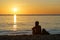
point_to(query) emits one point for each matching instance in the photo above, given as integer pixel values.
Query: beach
(29, 19)
(22, 30)
(30, 37)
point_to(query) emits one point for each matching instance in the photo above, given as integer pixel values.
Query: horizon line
(30, 14)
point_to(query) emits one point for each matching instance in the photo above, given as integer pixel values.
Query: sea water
(24, 24)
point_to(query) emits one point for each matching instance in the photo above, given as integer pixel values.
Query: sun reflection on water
(14, 19)
(14, 26)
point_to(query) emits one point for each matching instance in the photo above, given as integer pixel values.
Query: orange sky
(30, 6)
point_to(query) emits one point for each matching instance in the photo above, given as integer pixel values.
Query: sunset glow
(30, 6)
(14, 10)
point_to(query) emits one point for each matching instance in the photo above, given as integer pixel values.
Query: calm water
(24, 24)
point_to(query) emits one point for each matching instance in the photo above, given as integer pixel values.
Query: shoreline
(30, 37)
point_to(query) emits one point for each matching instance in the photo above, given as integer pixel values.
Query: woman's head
(36, 23)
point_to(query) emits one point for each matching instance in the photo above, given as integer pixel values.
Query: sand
(30, 37)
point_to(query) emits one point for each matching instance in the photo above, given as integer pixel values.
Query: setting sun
(14, 10)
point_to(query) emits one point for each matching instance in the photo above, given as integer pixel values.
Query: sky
(30, 6)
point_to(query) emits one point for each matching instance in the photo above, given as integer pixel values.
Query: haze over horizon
(30, 6)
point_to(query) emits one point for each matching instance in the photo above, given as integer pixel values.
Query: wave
(9, 32)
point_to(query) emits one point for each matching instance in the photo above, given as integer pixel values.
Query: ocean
(24, 24)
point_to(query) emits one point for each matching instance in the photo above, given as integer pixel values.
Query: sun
(14, 10)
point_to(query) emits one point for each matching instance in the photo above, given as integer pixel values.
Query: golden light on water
(14, 26)
(14, 19)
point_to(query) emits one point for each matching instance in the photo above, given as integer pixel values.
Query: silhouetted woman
(36, 30)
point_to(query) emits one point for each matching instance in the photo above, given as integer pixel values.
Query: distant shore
(30, 14)
(30, 37)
